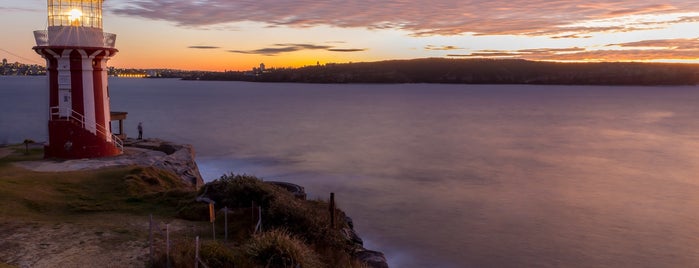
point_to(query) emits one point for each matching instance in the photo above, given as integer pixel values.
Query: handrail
(58, 112)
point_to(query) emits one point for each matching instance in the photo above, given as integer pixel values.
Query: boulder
(373, 259)
(178, 158)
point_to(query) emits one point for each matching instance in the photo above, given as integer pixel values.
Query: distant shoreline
(480, 71)
(449, 71)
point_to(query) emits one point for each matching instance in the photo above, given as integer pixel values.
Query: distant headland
(431, 70)
(473, 71)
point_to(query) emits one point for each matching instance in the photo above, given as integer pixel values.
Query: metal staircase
(64, 114)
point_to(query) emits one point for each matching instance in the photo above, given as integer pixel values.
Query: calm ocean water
(444, 175)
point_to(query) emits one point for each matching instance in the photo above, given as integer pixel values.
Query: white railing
(42, 39)
(61, 114)
(109, 40)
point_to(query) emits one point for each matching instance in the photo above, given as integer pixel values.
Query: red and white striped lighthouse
(76, 52)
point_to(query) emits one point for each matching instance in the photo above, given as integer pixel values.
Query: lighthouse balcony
(61, 36)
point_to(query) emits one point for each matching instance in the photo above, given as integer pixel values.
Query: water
(445, 175)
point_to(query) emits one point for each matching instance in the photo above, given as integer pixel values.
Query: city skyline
(219, 35)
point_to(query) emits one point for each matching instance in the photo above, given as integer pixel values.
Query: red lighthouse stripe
(52, 70)
(99, 97)
(76, 81)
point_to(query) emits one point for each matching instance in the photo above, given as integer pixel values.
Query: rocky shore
(177, 158)
(373, 259)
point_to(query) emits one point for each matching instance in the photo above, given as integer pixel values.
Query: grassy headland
(82, 218)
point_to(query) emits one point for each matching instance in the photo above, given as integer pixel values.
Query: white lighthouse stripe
(105, 95)
(88, 93)
(65, 106)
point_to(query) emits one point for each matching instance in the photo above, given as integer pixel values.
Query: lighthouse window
(82, 13)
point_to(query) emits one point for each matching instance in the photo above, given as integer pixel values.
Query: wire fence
(162, 231)
(161, 242)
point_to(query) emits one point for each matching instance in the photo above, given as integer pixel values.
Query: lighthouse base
(70, 141)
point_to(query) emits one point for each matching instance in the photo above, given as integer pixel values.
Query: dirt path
(68, 245)
(5, 152)
(102, 240)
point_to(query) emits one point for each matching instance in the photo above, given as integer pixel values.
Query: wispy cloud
(442, 48)
(21, 9)
(668, 49)
(675, 44)
(286, 48)
(347, 49)
(439, 17)
(204, 47)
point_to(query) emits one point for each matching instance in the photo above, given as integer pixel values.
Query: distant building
(262, 67)
(4, 62)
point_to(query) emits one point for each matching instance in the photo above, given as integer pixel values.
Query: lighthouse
(76, 50)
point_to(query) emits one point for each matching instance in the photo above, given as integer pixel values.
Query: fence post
(332, 210)
(196, 253)
(225, 223)
(167, 246)
(150, 239)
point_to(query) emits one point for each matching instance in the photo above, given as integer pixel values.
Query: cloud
(204, 47)
(439, 17)
(674, 44)
(277, 49)
(641, 10)
(21, 9)
(347, 49)
(650, 50)
(442, 48)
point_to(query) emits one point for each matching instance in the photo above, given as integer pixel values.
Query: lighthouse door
(64, 103)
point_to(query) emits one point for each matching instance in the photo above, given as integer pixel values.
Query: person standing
(140, 130)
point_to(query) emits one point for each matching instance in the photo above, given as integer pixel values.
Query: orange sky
(238, 35)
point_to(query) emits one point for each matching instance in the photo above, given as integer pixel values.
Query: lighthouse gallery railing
(42, 39)
(58, 114)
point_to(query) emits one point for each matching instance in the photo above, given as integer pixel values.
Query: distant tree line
(475, 71)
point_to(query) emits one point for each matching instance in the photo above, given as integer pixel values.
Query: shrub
(306, 219)
(237, 191)
(215, 255)
(278, 248)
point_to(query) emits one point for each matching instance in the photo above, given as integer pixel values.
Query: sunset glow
(224, 35)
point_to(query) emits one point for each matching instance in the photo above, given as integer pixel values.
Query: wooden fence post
(196, 253)
(167, 246)
(332, 210)
(225, 223)
(150, 239)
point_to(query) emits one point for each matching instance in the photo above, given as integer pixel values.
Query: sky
(220, 35)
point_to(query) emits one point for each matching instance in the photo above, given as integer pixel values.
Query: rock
(373, 259)
(298, 191)
(350, 222)
(178, 159)
(351, 235)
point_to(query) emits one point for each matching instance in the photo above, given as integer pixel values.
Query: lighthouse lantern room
(76, 51)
